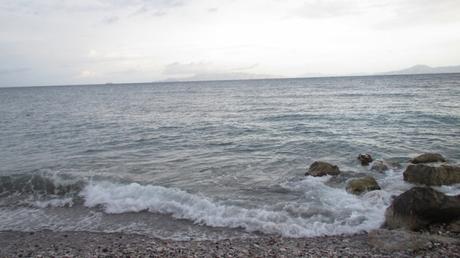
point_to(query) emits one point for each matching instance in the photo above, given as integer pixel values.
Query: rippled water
(215, 159)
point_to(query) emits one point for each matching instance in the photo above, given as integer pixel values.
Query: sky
(56, 42)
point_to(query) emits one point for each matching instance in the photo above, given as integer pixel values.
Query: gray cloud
(50, 6)
(412, 13)
(152, 7)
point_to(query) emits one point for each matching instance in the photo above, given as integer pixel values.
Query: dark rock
(421, 206)
(428, 157)
(360, 185)
(432, 175)
(365, 159)
(379, 166)
(321, 168)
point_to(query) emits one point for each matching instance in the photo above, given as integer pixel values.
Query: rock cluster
(354, 185)
(421, 207)
(417, 208)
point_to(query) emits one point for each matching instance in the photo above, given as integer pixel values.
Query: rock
(379, 166)
(365, 159)
(321, 168)
(421, 206)
(363, 184)
(428, 157)
(432, 175)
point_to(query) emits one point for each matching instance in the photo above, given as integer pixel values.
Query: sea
(217, 159)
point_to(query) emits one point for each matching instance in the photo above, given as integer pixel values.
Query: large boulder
(427, 158)
(421, 206)
(379, 166)
(361, 185)
(321, 168)
(432, 175)
(365, 159)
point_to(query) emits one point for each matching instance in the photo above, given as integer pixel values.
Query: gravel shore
(88, 244)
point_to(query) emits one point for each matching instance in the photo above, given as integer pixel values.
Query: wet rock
(428, 157)
(379, 166)
(361, 185)
(419, 207)
(321, 168)
(365, 159)
(432, 175)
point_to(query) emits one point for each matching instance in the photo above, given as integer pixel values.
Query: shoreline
(378, 243)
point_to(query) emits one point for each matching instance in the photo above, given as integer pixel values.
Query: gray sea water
(216, 159)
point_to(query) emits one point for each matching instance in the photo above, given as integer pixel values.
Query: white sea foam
(449, 189)
(336, 211)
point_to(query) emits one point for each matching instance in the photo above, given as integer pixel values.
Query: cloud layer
(96, 41)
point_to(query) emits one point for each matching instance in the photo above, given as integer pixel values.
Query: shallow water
(216, 159)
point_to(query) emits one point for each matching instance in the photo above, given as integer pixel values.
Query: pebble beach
(380, 243)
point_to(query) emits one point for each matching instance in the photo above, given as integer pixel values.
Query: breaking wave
(340, 212)
(318, 209)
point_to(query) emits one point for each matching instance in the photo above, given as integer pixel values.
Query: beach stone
(397, 240)
(321, 168)
(432, 175)
(421, 206)
(454, 226)
(379, 166)
(365, 159)
(428, 157)
(361, 185)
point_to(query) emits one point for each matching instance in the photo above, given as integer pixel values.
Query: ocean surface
(209, 160)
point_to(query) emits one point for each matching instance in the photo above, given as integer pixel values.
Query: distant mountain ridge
(425, 69)
(416, 69)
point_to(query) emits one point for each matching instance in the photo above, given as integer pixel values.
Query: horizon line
(222, 80)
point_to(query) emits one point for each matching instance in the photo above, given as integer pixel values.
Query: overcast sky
(46, 42)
